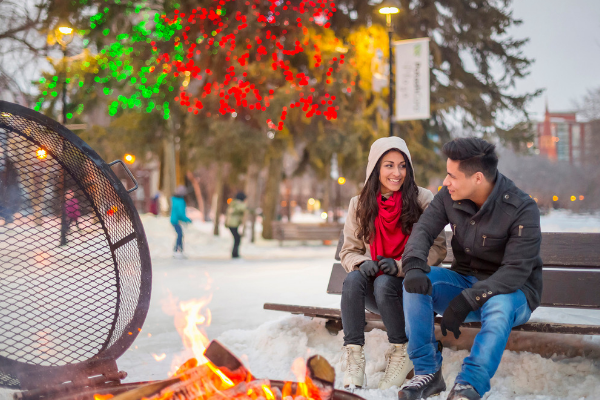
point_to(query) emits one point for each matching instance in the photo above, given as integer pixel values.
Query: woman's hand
(388, 265)
(368, 268)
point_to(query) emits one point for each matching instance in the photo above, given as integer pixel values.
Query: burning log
(225, 377)
(322, 376)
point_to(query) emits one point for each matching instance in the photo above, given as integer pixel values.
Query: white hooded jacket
(354, 251)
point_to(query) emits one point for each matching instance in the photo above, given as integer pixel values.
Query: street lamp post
(388, 8)
(63, 35)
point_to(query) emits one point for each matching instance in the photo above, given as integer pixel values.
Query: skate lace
(350, 363)
(418, 381)
(394, 364)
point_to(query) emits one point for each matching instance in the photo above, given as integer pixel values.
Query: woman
(178, 214)
(377, 227)
(233, 219)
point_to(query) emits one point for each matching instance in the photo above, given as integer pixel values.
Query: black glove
(368, 268)
(416, 281)
(388, 265)
(455, 314)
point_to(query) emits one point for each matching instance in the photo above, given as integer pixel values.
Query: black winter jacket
(499, 244)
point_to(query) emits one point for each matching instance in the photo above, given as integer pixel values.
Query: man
(495, 278)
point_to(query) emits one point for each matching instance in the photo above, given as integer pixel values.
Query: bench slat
(335, 314)
(560, 289)
(559, 249)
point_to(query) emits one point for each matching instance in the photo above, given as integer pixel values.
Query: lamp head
(388, 7)
(63, 34)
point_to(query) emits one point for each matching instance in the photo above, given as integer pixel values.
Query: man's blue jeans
(498, 316)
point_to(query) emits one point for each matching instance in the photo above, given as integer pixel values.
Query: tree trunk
(271, 196)
(326, 205)
(169, 170)
(218, 199)
(197, 191)
(253, 197)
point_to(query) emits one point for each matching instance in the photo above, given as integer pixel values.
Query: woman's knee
(386, 286)
(355, 281)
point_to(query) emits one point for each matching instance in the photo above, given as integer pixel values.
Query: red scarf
(388, 240)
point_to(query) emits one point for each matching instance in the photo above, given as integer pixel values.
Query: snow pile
(270, 350)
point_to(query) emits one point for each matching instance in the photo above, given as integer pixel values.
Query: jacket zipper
(483, 241)
(520, 229)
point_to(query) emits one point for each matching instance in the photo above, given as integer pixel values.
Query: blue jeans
(498, 316)
(381, 295)
(179, 241)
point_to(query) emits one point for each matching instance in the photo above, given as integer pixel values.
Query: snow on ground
(268, 342)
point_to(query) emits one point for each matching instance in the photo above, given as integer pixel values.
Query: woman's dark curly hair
(367, 208)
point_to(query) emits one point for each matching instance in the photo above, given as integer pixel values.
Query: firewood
(320, 378)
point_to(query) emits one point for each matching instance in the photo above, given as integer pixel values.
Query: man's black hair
(475, 155)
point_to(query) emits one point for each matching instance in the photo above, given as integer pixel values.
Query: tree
(589, 106)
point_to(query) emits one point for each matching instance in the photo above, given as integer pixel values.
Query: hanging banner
(412, 79)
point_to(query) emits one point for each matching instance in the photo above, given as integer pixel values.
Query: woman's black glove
(416, 281)
(455, 314)
(368, 268)
(388, 265)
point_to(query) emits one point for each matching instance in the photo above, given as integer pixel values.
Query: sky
(565, 43)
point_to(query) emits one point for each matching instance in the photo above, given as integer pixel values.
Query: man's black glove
(416, 281)
(455, 314)
(388, 265)
(368, 268)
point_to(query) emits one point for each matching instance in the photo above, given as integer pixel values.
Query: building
(562, 137)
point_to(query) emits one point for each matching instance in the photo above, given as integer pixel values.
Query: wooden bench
(571, 277)
(292, 231)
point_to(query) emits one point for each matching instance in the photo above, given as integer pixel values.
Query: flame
(226, 381)
(268, 394)
(193, 338)
(159, 358)
(103, 396)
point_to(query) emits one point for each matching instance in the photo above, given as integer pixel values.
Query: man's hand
(368, 268)
(455, 314)
(416, 281)
(388, 265)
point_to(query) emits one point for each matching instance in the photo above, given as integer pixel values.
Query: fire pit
(74, 262)
(76, 278)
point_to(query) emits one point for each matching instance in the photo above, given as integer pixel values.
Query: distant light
(233, 114)
(554, 198)
(573, 198)
(41, 154)
(65, 30)
(529, 145)
(283, 203)
(271, 135)
(389, 10)
(324, 215)
(129, 158)
(229, 200)
(341, 180)
(311, 201)
(581, 197)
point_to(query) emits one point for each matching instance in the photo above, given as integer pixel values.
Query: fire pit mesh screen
(74, 262)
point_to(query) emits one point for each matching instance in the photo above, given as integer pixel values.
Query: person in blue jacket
(178, 214)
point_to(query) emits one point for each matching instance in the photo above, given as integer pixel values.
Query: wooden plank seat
(571, 277)
(293, 231)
